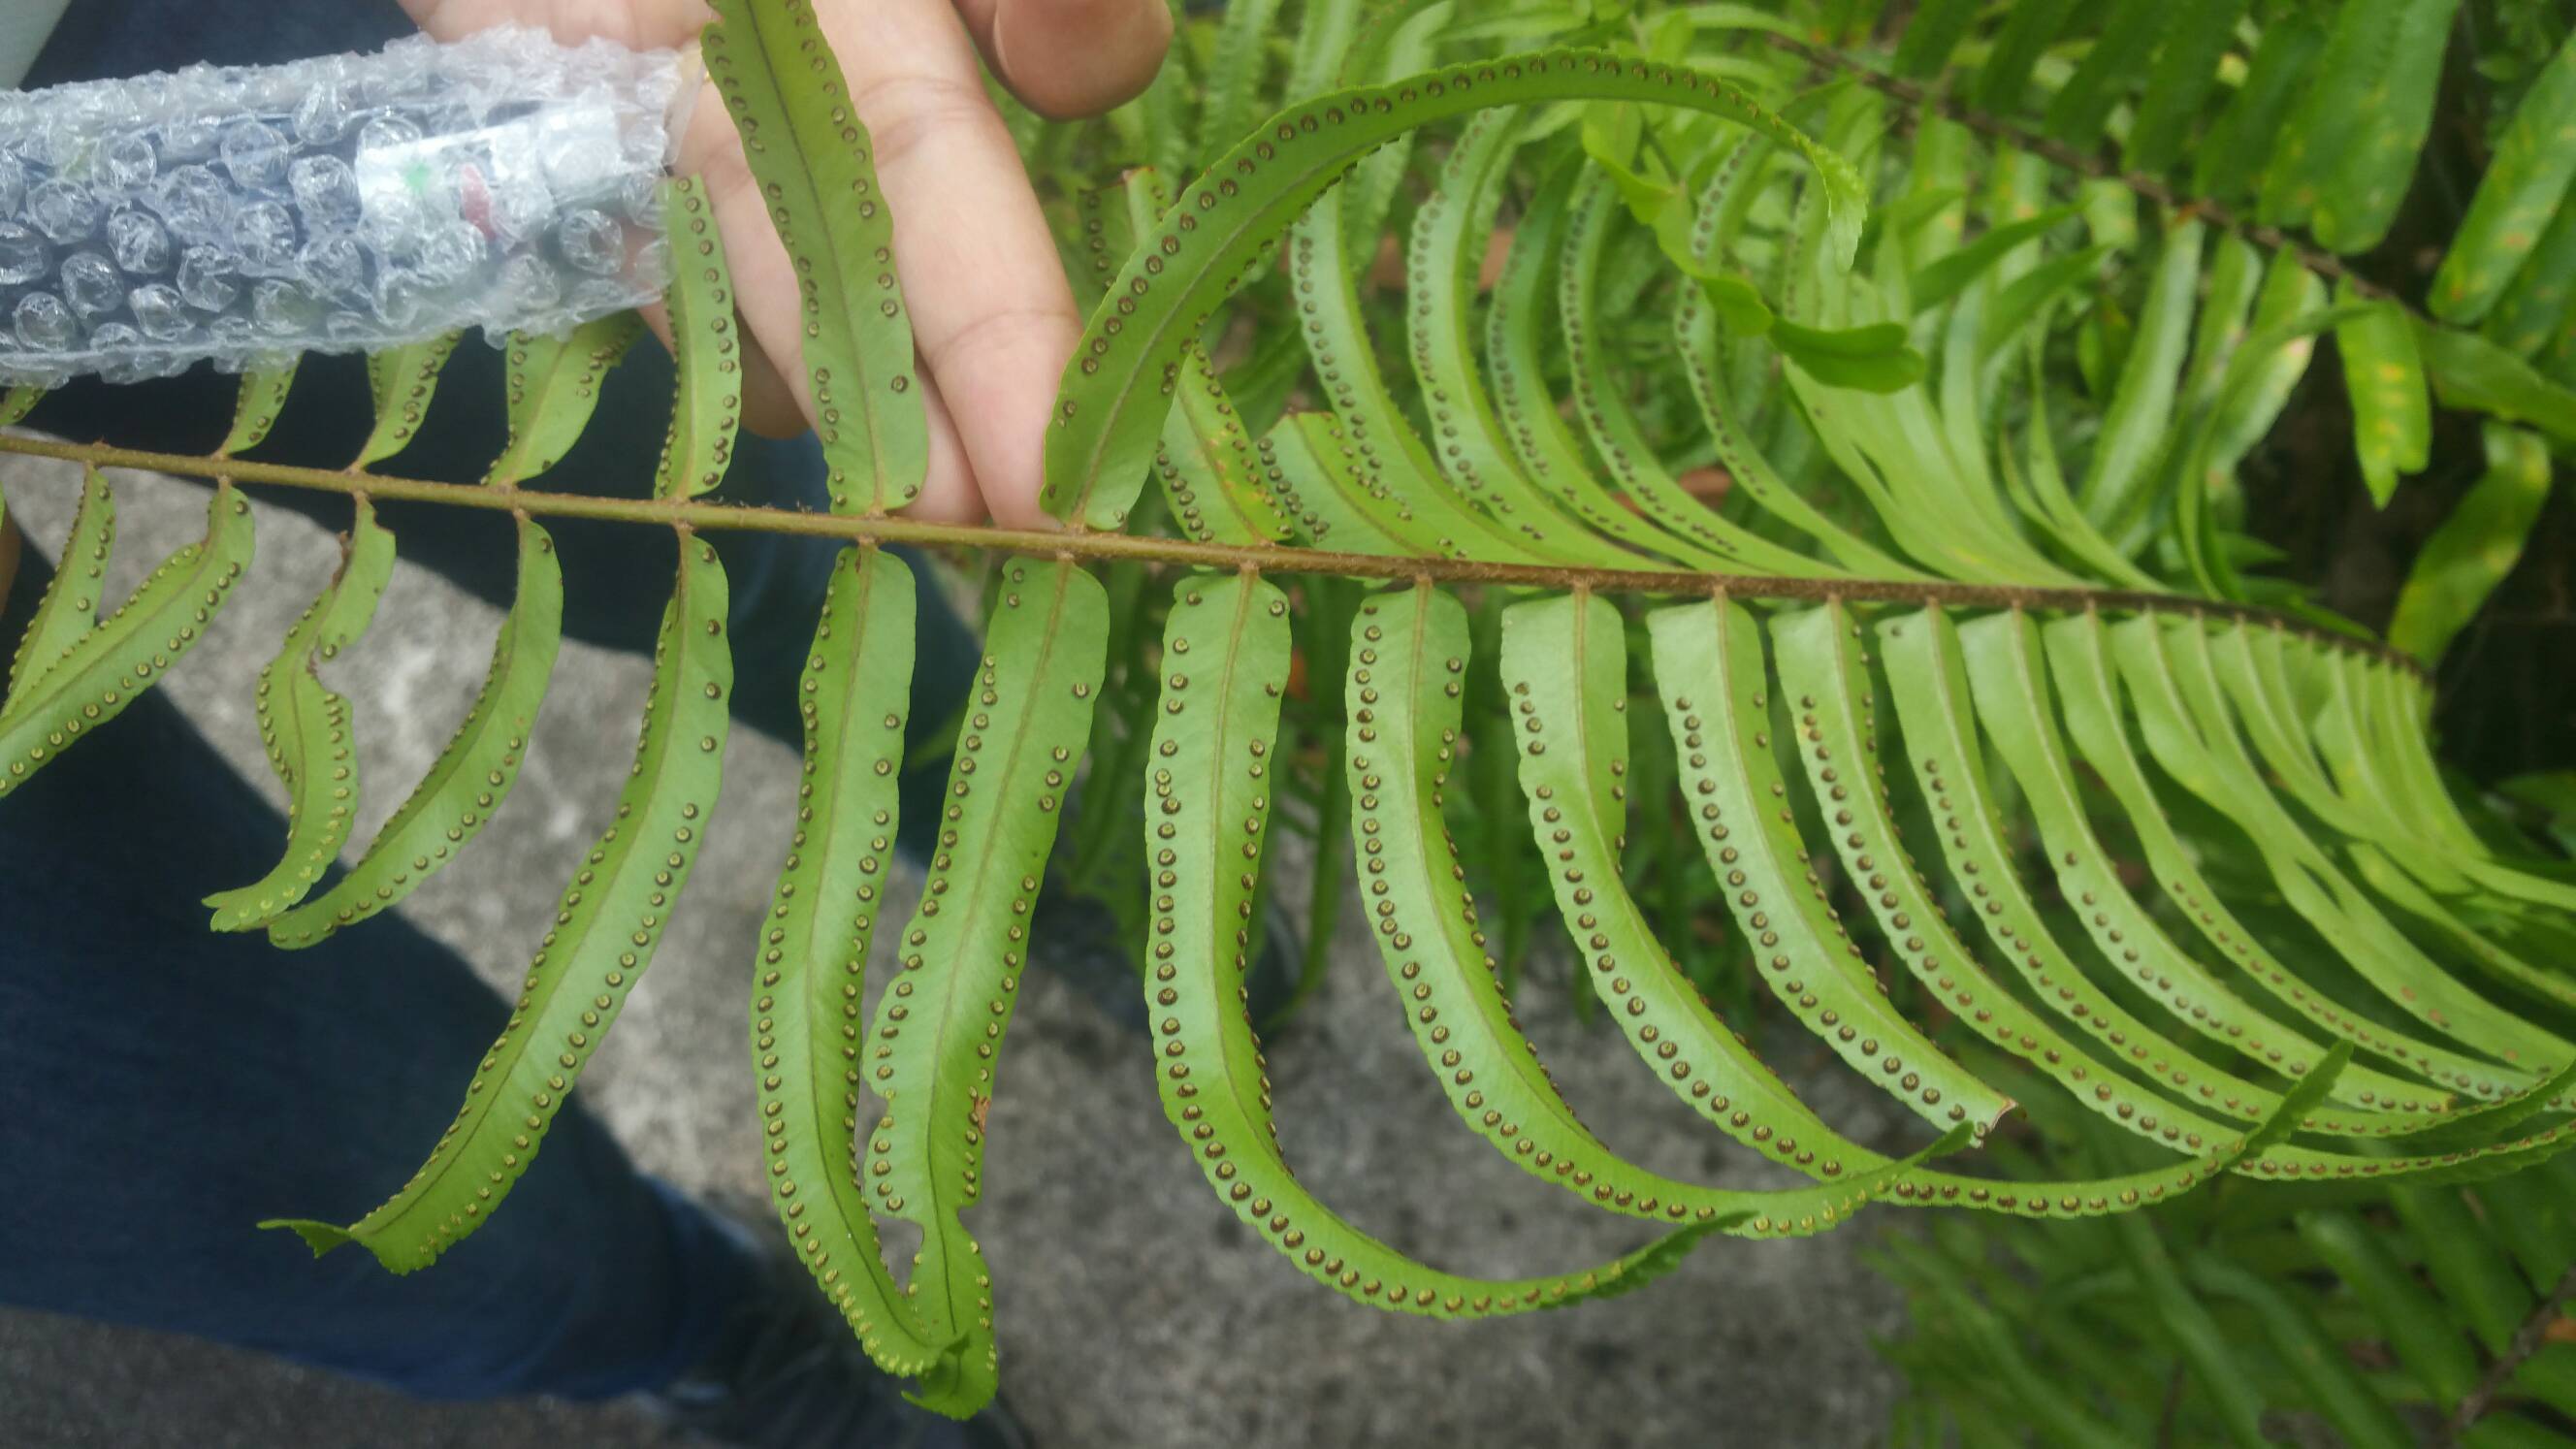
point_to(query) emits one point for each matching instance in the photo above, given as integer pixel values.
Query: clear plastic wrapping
(340, 204)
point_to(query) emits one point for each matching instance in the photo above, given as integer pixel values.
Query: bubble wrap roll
(348, 203)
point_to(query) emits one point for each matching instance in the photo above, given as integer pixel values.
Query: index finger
(992, 314)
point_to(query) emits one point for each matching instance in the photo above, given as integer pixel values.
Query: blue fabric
(100, 39)
(163, 1088)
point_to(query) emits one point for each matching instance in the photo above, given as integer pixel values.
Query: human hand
(991, 313)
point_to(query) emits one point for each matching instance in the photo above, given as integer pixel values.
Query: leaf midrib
(825, 258)
(1216, 815)
(511, 1051)
(1523, 1063)
(100, 639)
(973, 898)
(500, 682)
(825, 1090)
(1774, 1094)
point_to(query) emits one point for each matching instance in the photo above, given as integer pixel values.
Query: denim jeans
(163, 1088)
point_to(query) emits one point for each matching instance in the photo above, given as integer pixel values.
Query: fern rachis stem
(1110, 547)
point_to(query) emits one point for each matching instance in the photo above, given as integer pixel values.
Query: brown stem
(2324, 263)
(1113, 546)
(2525, 1342)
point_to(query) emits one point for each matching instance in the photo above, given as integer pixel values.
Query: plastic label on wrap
(349, 203)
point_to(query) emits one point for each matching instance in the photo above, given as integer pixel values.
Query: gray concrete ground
(1134, 1310)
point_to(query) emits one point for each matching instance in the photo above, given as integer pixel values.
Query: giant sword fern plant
(1962, 702)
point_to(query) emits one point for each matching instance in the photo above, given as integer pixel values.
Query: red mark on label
(475, 200)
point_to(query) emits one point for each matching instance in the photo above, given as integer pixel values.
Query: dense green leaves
(1234, 73)
(2008, 680)
(2376, 94)
(2129, 34)
(1709, 665)
(1313, 472)
(2192, 718)
(1665, 520)
(2524, 188)
(1116, 389)
(2027, 30)
(1469, 442)
(1933, 32)
(1946, 276)
(2530, 312)
(1211, 469)
(2392, 413)
(1575, 749)
(2360, 50)
(2185, 70)
(2474, 548)
(2468, 371)
(1211, 475)
(1822, 661)
(2438, 1359)
(1387, 456)
(2248, 149)
(2090, 697)
(1408, 659)
(2116, 480)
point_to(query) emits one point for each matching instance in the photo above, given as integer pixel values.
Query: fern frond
(610, 920)
(1109, 406)
(471, 777)
(705, 349)
(308, 733)
(806, 1027)
(96, 672)
(939, 1025)
(812, 161)
(402, 381)
(1710, 669)
(553, 388)
(1963, 479)
(69, 608)
(1407, 676)
(1207, 463)
(262, 398)
(1207, 810)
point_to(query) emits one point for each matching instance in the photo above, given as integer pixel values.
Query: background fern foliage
(1754, 500)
